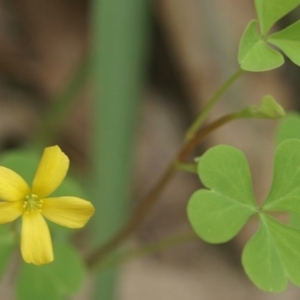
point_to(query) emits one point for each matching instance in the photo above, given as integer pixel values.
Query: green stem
(148, 249)
(186, 167)
(139, 214)
(144, 207)
(207, 108)
(198, 137)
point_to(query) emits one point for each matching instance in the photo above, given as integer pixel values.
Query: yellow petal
(36, 245)
(12, 186)
(70, 212)
(9, 211)
(51, 171)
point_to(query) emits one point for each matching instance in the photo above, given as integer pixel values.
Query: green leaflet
(254, 53)
(270, 11)
(262, 263)
(288, 40)
(216, 218)
(268, 108)
(218, 214)
(272, 255)
(285, 190)
(288, 128)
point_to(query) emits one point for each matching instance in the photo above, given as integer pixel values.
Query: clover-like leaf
(285, 190)
(272, 255)
(218, 214)
(254, 53)
(288, 128)
(288, 40)
(268, 108)
(270, 11)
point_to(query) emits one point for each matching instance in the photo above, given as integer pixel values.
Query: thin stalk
(191, 145)
(195, 127)
(145, 206)
(134, 221)
(186, 167)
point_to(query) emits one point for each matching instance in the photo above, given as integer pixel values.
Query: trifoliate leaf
(272, 255)
(270, 11)
(268, 108)
(254, 53)
(285, 190)
(218, 214)
(288, 128)
(288, 40)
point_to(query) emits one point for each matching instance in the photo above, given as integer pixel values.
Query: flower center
(32, 202)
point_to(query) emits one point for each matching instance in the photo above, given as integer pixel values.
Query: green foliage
(222, 169)
(254, 53)
(285, 190)
(272, 255)
(56, 280)
(289, 128)
(261, 261)
(270, 11)
(288, 40)
(268, 108)
(218, 212)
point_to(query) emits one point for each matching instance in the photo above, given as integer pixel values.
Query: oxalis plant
(216, 213)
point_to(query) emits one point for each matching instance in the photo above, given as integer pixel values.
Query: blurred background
(189, 49)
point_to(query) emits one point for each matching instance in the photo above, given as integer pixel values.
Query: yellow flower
(19, 199)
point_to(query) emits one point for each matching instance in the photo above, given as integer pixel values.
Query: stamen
(32, 203)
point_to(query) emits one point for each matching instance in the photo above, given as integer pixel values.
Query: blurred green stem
(197, 124)
(119, 36)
